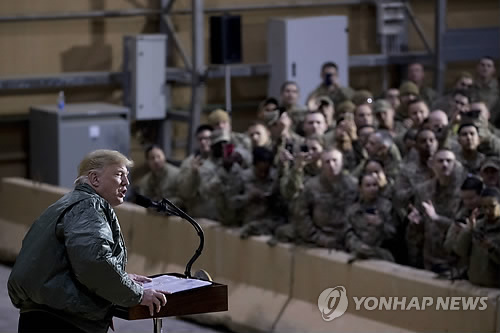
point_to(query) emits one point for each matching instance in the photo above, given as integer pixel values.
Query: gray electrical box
(59, 139)
(145, 61)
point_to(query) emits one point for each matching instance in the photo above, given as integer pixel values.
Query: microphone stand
(166, 206)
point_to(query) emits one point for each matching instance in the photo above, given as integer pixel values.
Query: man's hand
(430, 211)
(140, 279)
(414, 215)
(472, 219)
(196, 162)
(154, 299)
(302, 159)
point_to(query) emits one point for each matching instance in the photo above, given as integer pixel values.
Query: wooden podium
(212, 298)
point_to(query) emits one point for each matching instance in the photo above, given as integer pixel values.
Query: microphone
(169, 208)
(145, 202)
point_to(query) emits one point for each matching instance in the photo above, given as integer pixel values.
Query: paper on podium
(174, 284)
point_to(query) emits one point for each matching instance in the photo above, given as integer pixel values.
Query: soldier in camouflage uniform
(205, 186)
(290, 102)
(202, 152)
(330, 85)
(470, 195)
(486, 84)
(434, 209)
(478, 241)
(416, 74)
(369, 222)
(415, 171)
(161, 181)
(319, 214)
(258, 200)
(219, 119)
(408, 92)
(468, 137)
(490, 172)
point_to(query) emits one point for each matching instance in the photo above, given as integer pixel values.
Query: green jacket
(72, 263)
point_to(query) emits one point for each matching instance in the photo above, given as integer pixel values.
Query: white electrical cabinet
(147, 66)
(297, 47)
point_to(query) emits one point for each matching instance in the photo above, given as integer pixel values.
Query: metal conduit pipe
(150, 12)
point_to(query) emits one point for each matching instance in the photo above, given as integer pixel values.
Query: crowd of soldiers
(411, 177)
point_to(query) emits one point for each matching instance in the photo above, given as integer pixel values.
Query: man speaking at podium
(70, 271)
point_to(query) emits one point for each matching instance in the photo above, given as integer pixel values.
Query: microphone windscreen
(143, 201)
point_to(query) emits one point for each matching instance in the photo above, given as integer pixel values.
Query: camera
(304, 148)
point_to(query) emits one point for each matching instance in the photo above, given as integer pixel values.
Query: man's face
(490, 207)
(427, 144)
(364, 133)
(369, 187)
(315, 149)
(464, 83)
(418, 112)
(490, 176)
(468, 138)
(204, 141)
(314, 124)
(373, 145)
(470, 198)
(407, 98)
(438, 121)
(444, 163)
(385, 118)
(392, 96)
(486, 68)
(331, 163)
(111, 183)
(259, 135)
(332, 71)
(270, 107)
(460, 103)
(290, 95)
(156, 159)
(363, 115)
(416, 73)
(223, 125)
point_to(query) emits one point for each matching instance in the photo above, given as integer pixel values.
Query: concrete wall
(270, 288)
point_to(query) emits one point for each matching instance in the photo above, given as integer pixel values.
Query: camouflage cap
(362, 97)
(381, 105)
(491, 162)
(324, 99)
(270, 118)
(345, 107)
(217, 116)
(408, 88)
(219, 135)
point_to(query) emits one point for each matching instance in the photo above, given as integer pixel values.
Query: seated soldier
(434, 209)
(381, 146)
(478, 241)
(468, 138)
(319, 214)
(470, 195)
(369, 222)
(161, 180)
(305, 165)
(219, 119)
(344, 143)
(205, 186)
(376, 168)
(202, 152)
(258, 200)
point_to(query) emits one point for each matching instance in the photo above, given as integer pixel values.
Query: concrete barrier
(270, 288)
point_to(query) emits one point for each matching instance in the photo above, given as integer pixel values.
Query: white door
(297, 47)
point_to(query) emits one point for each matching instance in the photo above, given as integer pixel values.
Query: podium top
(210, 298)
